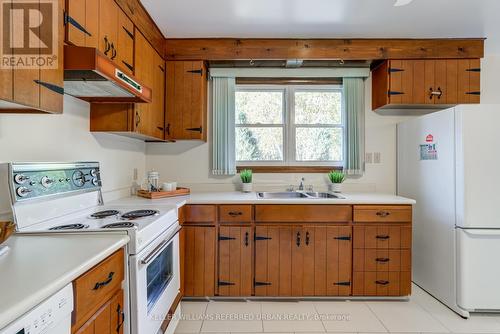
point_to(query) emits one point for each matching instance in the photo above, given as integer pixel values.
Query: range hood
(93, 77)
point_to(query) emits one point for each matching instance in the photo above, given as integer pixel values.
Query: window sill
(289, 169)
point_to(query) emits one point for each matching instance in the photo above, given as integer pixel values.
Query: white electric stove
(67, 198)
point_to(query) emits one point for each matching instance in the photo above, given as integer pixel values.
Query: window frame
(289, 126)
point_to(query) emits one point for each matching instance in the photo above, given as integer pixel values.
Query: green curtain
(224, 153)
(354, 97)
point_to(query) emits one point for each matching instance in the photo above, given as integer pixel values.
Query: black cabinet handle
(113, 52)
(382, 259)
(382, 282)
(235, 213)
(433, 93)
(168, 129)
(121, 318)
(52, 87)
(383, 214)
(107, 45)
(383, 237)
(137, 119)
(307, 238)
(99, 285)
(131, 35)
(246, 239)
(159, 128)
(200, 129)
(297, 241)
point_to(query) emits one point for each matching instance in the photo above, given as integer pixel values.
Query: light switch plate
(376, 157)
(369, 158)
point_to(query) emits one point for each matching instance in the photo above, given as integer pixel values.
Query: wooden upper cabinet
(143, 54)
(82, 22)
(425, 83)
(37, 88)
(125, 43)
(186, 96)
(158, 103)
(108, 28)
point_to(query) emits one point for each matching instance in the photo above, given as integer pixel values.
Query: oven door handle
(151, 256)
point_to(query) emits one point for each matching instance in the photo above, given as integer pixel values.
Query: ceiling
(328, 19)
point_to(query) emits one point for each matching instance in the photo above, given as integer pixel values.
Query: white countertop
(237, 197)
(38, 266)
(251, 198)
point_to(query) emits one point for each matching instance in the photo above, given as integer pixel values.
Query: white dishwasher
(52, 316)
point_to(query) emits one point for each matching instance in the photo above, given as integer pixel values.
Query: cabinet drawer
(97, 285)
(303, 213)
(382, 214)
(382, 260)
(199, 214)
(381, 284)
(235, 213)
(382, 236)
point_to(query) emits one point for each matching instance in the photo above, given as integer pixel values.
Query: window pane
(259, 144)
(318, 144)
(259, 107)
(318, 107)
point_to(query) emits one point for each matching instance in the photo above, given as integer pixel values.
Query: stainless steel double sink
(298, 195)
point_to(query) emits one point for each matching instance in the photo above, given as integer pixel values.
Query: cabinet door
(117, 313)
(108, 27)
(143, 71)
(469, 72)
(51, 80)
(235, 261)
(82, 22)
(400, 81)
(186, 100)
(6, 79)
(158, 104)
(108, 319)
(303, 252)
(199, 265)
(339, 260)
(273, 261)
(125, 43)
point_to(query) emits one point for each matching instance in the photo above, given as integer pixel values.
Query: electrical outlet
(376, 158)
(136, 174)
(368, 158)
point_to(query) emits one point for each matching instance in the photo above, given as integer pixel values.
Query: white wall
(66, 137)
(189, 162)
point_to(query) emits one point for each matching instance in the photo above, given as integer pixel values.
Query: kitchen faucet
(301, 185)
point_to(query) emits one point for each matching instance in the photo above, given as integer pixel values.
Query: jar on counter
(154, 181)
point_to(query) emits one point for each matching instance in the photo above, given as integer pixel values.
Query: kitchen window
(289, 125)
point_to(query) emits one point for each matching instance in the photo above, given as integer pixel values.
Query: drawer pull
(382, 259)
(382, 282)
(235, 213)
(121, 318)
(383, 214)
(246, 239)
(99, 285)
(383, 237)
(298, 239)
(346, 238)
(307, 238)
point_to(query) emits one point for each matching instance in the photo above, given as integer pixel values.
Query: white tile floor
(422, 314)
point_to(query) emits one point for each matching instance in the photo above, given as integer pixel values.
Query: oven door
(154, 282)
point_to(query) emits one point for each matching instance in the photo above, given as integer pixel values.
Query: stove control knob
(94, 172)
(95, 181)
(79, 179)
(21, 178)
(46, 182)
(23, 191)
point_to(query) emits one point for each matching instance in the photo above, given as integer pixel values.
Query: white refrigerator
(449, 162)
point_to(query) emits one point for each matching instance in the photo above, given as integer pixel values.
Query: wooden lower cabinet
(303, 261)
(199, 257)
(235, 261)
(98, 298)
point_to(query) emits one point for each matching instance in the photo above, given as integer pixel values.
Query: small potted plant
(336, 179)
(246, 178)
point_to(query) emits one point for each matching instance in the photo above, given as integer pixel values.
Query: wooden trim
(289, 169)
(310, 49)
(289, 81)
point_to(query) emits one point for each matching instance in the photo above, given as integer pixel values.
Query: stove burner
(70, 227)
(104, 214)
(119, 225)
(139, 214)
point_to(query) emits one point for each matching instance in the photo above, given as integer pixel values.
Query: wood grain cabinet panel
(125, 43)
(381, 283)
(199, 213)
(199, 257)
(107, 320)
(380, 214)
(235, 213)
(303, 213)
(235, 261)
(186, 96)
(433, 83)
(381, 236)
